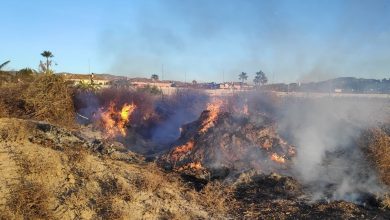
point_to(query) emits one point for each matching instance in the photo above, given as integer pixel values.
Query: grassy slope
(51, 173)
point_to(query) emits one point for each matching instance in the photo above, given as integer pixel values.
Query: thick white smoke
(325, 132)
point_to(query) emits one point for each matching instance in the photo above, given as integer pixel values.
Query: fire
(245, 110)
(114, 122)
(182, 150)
(214, 109)
(278, 159)
(125, 113)
(240, 109)
(196, 165)
(192, 166)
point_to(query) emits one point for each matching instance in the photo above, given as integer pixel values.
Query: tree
(243, 76)
(194, 82)
(47, 54)
(6, 77)
(154, 77)
(260, 78)
(4, 64)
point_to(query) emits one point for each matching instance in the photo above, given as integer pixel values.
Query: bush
(376, 144)
(46, 97)
(154, 90)
(11, 102)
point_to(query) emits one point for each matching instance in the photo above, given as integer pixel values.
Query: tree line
(44, 66)
(259, 79)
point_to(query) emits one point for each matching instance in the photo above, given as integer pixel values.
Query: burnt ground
(280, 197)
(255, 194)
(234, 143)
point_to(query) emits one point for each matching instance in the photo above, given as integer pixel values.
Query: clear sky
(206, 40)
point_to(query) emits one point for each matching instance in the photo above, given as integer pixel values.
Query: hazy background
(202, 40)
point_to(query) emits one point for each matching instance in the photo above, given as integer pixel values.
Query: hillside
(52, 173)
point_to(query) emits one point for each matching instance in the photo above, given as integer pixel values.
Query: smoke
(179, 109)
(157, 119)
(325, 131)
(86, 105)
(307, 41)
(329, 158)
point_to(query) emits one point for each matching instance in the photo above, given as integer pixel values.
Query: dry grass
(106, 210)
(217, 198)
(110, 189)
(76, 154)
(30, 201)
(50, 99)
(46, 98)
(11, 102)
(386, 201)
(376, 143)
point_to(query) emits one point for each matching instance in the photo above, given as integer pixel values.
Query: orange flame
(278, 159)
(245, 110)
(191, 166)
(125, 113)
(115, 122)
(182, 150)
(196, 165)
(214, 109)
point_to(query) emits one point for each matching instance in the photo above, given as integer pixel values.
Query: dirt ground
(49, 172)
(52, 173)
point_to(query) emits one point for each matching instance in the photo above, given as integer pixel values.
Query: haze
(202, 40)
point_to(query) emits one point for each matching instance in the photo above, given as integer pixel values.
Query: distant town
(337, 85)
(346, 85)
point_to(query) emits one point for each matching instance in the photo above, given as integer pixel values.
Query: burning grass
(233, 143)
(213, 109)
(115, 110)
(115, 121)
(226, 140)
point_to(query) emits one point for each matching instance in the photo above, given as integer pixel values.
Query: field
(71, 153)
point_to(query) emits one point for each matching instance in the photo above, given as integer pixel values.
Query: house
(143, 82)
(235, 86)
(87, 79)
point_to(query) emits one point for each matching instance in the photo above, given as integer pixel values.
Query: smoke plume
(325, 132)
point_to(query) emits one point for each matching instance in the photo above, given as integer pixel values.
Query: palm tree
(154, 77)
(47, 54)
(243, 76)
(4, 64)
(260, 78)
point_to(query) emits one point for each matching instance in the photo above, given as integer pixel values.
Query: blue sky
(206, 40)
